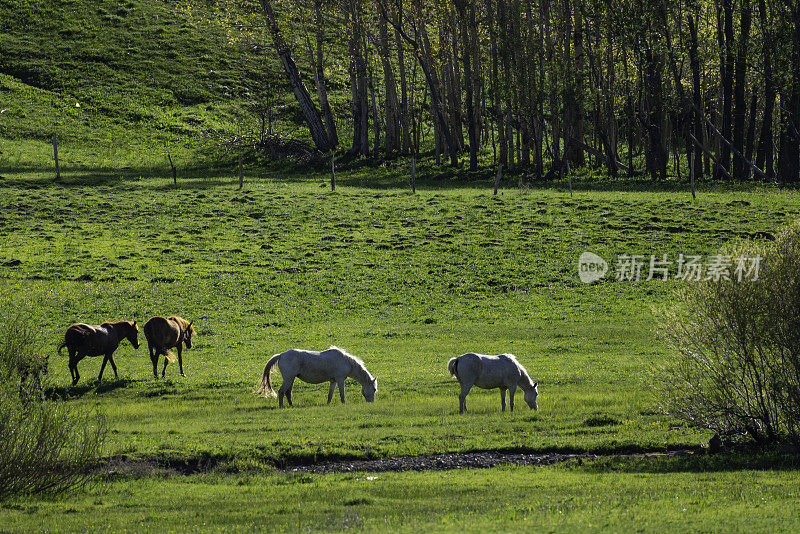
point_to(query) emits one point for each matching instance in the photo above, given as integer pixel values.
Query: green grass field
(405, 282)
(496, 500)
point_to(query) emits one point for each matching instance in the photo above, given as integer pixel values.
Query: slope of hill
(139, 74)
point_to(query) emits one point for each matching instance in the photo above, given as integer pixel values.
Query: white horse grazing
(489, 372)
(333, 365)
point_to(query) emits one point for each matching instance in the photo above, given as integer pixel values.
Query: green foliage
(737, 367)
(45, 446)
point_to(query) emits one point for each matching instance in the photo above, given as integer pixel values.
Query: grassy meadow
(405, 282)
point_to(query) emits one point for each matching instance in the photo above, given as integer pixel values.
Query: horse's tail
(61, 346)
(168, 354)
(264, 386)
(452, 366)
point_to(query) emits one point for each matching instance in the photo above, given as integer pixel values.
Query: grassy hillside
(141, 75)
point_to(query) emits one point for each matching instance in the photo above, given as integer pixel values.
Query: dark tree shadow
(700, 462)
(78, 391)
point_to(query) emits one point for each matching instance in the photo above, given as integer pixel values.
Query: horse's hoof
(183, 375)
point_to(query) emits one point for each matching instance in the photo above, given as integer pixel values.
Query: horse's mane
(359, 363)
(182, 322)
(521, 368)
(128, 324)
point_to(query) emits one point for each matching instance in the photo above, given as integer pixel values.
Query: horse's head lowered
(132, 333)
(369, 390)
(530, 396)
(187, 334)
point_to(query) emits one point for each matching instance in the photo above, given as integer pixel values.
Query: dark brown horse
(163, 334)
(97, 340)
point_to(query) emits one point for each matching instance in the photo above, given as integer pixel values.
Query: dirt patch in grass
(131, 466)
(468, 460)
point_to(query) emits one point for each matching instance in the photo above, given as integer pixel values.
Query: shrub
(737, 359)
(45, 446)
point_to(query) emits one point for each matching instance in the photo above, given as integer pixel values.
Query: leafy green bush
(45, 446)
(737, 364)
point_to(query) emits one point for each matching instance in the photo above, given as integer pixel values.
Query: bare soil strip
(467, 460)
(124, 465)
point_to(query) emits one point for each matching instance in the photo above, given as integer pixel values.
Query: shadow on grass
(78, 391)
(360, 172)
(696, 463)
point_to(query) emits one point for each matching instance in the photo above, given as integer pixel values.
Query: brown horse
(163, 334)
(92, 340)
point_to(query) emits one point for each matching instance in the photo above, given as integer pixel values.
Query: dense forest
(710, 87)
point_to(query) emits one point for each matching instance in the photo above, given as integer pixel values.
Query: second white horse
(489, 372)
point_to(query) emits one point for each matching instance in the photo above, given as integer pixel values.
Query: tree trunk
(316, 127)
(466, 14)
(764, 154)
(654, 116)
(727, 83)
(751, 132)
(740, 168)
(319, 75)
(789, 157)
(697, 96)
(401, 66)
(393, 121)
(376, 124)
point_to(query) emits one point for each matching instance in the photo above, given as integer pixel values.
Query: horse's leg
(180, 359)
(330, 390)
(102, 367)
(503, 398)
(113, 366)
(154, 359)
(164, 370)
(289, 397)
(462, 399)
(511, 391)
(73, 366)
(341, 389)
(283, 390)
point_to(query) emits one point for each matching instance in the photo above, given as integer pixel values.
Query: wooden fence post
(569, 177)
(174, 172)
(333, 170)
(55, 156)
(241, 176)
(414, 171)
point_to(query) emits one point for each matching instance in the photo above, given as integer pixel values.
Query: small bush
(45, 446)
(737, 364)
